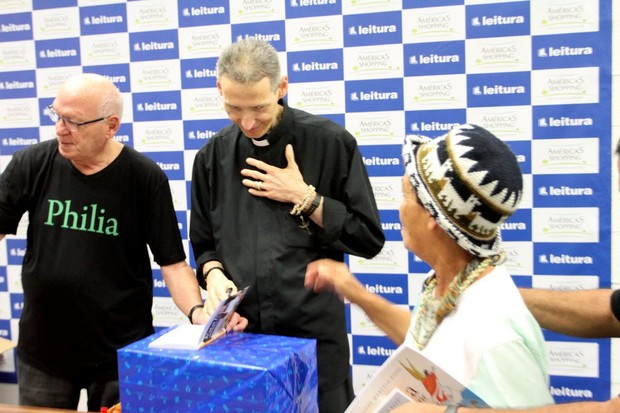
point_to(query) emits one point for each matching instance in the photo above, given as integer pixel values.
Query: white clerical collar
(260, 141)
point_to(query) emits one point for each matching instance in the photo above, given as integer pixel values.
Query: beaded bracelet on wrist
(301, 206)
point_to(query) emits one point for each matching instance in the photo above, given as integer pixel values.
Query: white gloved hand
(219, 287)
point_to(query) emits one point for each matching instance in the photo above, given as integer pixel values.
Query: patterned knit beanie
(469, 181)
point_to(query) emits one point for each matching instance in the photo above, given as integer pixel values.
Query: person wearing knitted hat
(470, 318)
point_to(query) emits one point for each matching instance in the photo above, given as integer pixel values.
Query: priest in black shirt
(275, 190)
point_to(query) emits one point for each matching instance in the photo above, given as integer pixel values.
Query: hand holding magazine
(194, 337)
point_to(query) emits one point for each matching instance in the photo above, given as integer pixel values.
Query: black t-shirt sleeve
(164, 237)
(11, 205)
(615, 304)
(21, 181)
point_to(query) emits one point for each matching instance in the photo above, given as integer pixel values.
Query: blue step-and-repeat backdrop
(536, 74)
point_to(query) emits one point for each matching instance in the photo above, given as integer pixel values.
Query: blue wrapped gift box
(239, 372)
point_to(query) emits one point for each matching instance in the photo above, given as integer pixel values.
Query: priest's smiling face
(253, 107)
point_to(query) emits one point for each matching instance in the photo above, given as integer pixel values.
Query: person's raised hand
(280, 184)
(331, 275)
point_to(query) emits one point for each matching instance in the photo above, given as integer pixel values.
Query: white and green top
(492, 344)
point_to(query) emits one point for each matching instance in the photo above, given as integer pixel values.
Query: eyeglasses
(69, 124)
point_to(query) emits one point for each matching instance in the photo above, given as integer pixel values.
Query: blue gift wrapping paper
(239, 372)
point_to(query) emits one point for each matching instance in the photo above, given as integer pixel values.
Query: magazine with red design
(408, 376)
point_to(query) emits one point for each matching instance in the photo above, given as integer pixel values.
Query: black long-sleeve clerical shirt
(262, 245)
